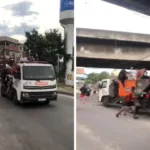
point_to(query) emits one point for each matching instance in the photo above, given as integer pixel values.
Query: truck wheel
(2, 91)
(105, 101)
(47, 102)
(15, 99)
(137, 110)
(148, 111)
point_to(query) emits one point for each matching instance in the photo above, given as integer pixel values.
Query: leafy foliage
(95, 77)
(47, 46)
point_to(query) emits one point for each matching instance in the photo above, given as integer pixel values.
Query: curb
(65, 93)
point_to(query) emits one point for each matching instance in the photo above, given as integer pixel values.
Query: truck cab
(34, 82)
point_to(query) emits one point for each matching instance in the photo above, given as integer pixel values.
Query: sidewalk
(64, 89)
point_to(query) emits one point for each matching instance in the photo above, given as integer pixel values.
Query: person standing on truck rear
(128, 104)
(83, 90)
(123, 75)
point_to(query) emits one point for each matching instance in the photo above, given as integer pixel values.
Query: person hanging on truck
(3, 75)
(129, 104)
(123, 75)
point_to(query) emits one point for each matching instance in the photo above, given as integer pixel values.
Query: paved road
(99, 129)
(36, 127)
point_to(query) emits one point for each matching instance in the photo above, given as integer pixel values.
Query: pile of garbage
(129, 75)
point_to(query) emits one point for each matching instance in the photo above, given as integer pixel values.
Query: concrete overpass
(99, 48)
(141, 6)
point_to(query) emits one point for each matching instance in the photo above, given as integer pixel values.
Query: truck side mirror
(17, 76)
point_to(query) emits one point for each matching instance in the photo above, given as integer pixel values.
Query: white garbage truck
(31, 82)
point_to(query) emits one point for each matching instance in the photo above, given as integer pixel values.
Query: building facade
(10, 47)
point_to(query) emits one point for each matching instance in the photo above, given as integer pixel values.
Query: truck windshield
(38, 73)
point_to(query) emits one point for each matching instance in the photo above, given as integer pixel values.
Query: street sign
(66, 5)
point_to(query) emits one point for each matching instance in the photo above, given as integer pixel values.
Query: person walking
(83, 94)
(88, 93)
(129, 104)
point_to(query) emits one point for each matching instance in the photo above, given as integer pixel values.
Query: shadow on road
(141, 113)
(37, 106)
(9, 103)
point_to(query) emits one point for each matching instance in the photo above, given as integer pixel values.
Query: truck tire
(137, 110)
(2, 91)
(148, 112)
(15, 99)
(105, 101)
(47, 102)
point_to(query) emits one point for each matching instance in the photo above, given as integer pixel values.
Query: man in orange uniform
(128, 104)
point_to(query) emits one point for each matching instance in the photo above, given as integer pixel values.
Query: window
(38, 73)
(80, 78)
(104, 84)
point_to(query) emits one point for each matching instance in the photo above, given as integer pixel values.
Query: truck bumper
(38, 96)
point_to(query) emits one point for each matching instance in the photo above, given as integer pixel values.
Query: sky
(97, 14)
(95, 70)
(18, 16)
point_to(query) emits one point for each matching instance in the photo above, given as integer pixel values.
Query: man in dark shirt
(83, 90)
(123, 76)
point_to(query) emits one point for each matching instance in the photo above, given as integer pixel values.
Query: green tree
(54, 46)
(46, 46)
(34, 43)
(104, 75)
(95, 77)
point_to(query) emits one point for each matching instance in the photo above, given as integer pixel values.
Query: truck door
(103, 89)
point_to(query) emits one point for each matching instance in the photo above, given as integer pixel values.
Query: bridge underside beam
(111, 63)
(112, 49)
(141, 6)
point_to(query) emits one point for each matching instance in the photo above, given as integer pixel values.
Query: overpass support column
(69, 32)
